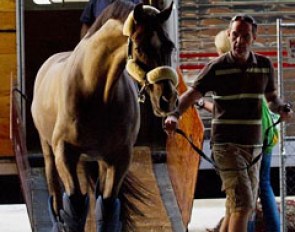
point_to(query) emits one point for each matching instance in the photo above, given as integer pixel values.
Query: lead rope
(206, 157)
(203, 155)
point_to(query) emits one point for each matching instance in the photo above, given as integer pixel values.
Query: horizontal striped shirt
(238, 92)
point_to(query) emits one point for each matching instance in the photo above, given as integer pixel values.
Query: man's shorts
(239, 184)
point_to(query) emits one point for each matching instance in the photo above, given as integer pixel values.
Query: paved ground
(206, 214)
(14, 218)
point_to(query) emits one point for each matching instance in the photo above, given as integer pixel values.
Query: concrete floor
(14, 218)
(206, 214)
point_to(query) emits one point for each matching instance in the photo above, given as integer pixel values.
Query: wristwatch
(200, 103)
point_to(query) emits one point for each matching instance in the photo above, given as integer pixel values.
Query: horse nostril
(164, 98)
(176, 102)
(164, 103)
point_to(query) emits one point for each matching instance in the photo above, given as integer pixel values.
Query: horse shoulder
(115, 71)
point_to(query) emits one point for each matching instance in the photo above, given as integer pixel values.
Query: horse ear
(128, 25)
(165, 14)
(138, 13)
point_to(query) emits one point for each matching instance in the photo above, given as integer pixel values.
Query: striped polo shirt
(238, 92)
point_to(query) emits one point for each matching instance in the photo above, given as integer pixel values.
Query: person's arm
(87, 17)
(84, 30)
(278, 106)
(186, 100)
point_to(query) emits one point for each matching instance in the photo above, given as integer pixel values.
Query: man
(238, 79)
(92, 10)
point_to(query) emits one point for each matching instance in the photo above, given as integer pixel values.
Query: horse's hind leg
(55, 202)
(75, 205)
(108, 206)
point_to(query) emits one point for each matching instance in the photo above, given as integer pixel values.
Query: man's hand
(286, 111)
(171, 123)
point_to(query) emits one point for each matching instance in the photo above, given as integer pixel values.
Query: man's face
(241, 39)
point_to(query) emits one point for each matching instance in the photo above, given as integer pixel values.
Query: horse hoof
(114, 224)
(73, 217)
(108, 215)
(99, 214)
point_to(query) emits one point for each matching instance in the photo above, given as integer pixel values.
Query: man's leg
(225, 223)
(238, 221)
(240, 185)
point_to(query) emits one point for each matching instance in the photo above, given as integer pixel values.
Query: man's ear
(228, 32)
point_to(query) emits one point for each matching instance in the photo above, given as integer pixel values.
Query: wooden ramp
(157, 217)
(161, 211)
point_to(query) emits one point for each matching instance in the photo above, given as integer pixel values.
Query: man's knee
(242, 213)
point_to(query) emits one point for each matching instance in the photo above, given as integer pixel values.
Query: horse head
(149, 56)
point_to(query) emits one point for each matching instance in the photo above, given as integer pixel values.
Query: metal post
(282, 152)
(281, 143)
(172, 26)
(20, 55)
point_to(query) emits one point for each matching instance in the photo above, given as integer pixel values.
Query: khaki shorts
(240, 186)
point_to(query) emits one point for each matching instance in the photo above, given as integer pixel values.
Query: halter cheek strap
(135, 71)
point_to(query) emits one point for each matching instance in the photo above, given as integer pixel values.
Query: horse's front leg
(54, 188)
(75, 205)
(108, 205)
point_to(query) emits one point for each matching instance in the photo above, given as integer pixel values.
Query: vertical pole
(281, 143)
(172, 28)
(20, 55)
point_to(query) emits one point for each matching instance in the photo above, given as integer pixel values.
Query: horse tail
(133, 195)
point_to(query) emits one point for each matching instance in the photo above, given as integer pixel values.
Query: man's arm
(88, 16)
(186, 100)
(84, 30)
(277, 105)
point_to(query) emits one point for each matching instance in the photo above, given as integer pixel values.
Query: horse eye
(168, 47)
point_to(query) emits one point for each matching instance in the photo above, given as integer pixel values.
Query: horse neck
(104, 59)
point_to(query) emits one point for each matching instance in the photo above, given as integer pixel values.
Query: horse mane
(119, 10)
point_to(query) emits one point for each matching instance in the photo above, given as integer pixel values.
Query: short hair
(245, 18)
(222, 42)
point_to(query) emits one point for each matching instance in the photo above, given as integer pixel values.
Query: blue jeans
(271, 214)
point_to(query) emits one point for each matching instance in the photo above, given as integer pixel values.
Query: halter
(137, 70)
(139, 73)
(141, 92)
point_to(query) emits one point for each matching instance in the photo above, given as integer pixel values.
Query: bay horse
(86, 102)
